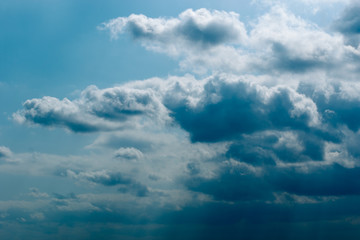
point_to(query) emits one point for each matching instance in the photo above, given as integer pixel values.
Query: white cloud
(95, 110)
(128, 153)
(195, 29)
(202, 38)
(278, 42)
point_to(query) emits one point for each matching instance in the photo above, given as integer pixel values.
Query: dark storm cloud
(338, 107)
(232, 185)
(215, 220)
(333, 180)
(236, 183)
(258, 220)
(227, 109)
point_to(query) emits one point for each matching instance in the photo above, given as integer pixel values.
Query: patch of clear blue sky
(53, 48)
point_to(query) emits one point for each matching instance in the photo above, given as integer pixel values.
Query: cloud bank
(266, 136)
(278, 41)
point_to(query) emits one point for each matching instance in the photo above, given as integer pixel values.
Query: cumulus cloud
(339, 103)
(278, 41)
(95, 110)
(201, 28)
(128, 153)
(216, 108)
(295, 45)
(201, 38)
(228, 107)
(267, 132)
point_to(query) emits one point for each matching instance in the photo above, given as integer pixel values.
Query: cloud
(34, 192)
(200, 29)
(349, 23)
(219, 107)
(272, 147)
(5, 154)
(201, 38)
(292, 44)
(325, 2)
(234, 182)
(270, 136)
(332, 180)
(104, 178)
(339, 103)
(128, 153)
(135, 188)
(126, 184)
(228, 107)
(95, 110)
(239, 181)
(209, 41)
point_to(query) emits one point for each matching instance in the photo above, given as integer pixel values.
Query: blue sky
(179, 119)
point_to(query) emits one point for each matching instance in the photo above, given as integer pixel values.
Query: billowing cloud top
(95, 110)
(216, 40)
(245, 107)
(200, 28)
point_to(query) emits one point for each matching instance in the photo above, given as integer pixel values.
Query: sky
(179, 119)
